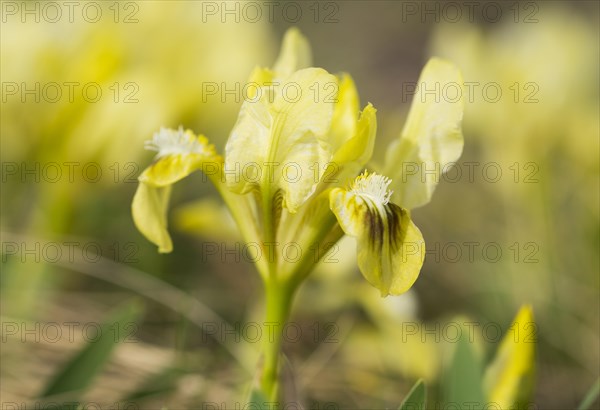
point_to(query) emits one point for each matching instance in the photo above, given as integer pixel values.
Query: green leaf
(463, 386)
(257, 400)
(80, 371)
(591, 397)
(416, 399)
(161, 383)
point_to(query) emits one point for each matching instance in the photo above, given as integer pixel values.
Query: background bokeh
(515, 222)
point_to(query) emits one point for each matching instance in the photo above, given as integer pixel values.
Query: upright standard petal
(432, 137)
(345, 113)
(295, 54)
(359, 148)
(390, 247)
(282, 145)
(352, 134)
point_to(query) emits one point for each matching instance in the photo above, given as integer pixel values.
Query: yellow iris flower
(298, 140)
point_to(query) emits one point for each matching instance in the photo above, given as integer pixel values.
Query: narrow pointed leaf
(160, 384)
(78, 374)
(257, 400)
(462, 383)
(591, 397)
(416, 399)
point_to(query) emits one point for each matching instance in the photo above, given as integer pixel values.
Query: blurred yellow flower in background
(119, 80)
(537, 123)
(78, 94)
(538, 83)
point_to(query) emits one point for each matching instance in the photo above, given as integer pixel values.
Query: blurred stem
(279, 296)
(27, 278)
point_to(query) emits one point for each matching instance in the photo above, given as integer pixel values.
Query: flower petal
(431, 138)
(259, 77)
(295, 54)
(345, 113)
(359, 149)
(390, 247)
(179, 154)
(179, 162)
(149, 209)
(352, 136)
(283, 144)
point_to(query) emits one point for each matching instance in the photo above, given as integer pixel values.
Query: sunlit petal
(295, 54)
(149, 209)
(179, 154)
(390, 247)
(359, 149)
(283, 144)
(432, 136)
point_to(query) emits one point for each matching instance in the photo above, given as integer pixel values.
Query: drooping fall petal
(390, 247)
(149, 210)
(179, 154)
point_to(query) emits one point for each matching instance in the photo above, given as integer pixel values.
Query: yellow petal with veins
(390, 247)
(282, 145)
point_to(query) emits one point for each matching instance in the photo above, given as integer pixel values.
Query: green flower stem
(321, 241)
(279, 296)
(242, 215)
